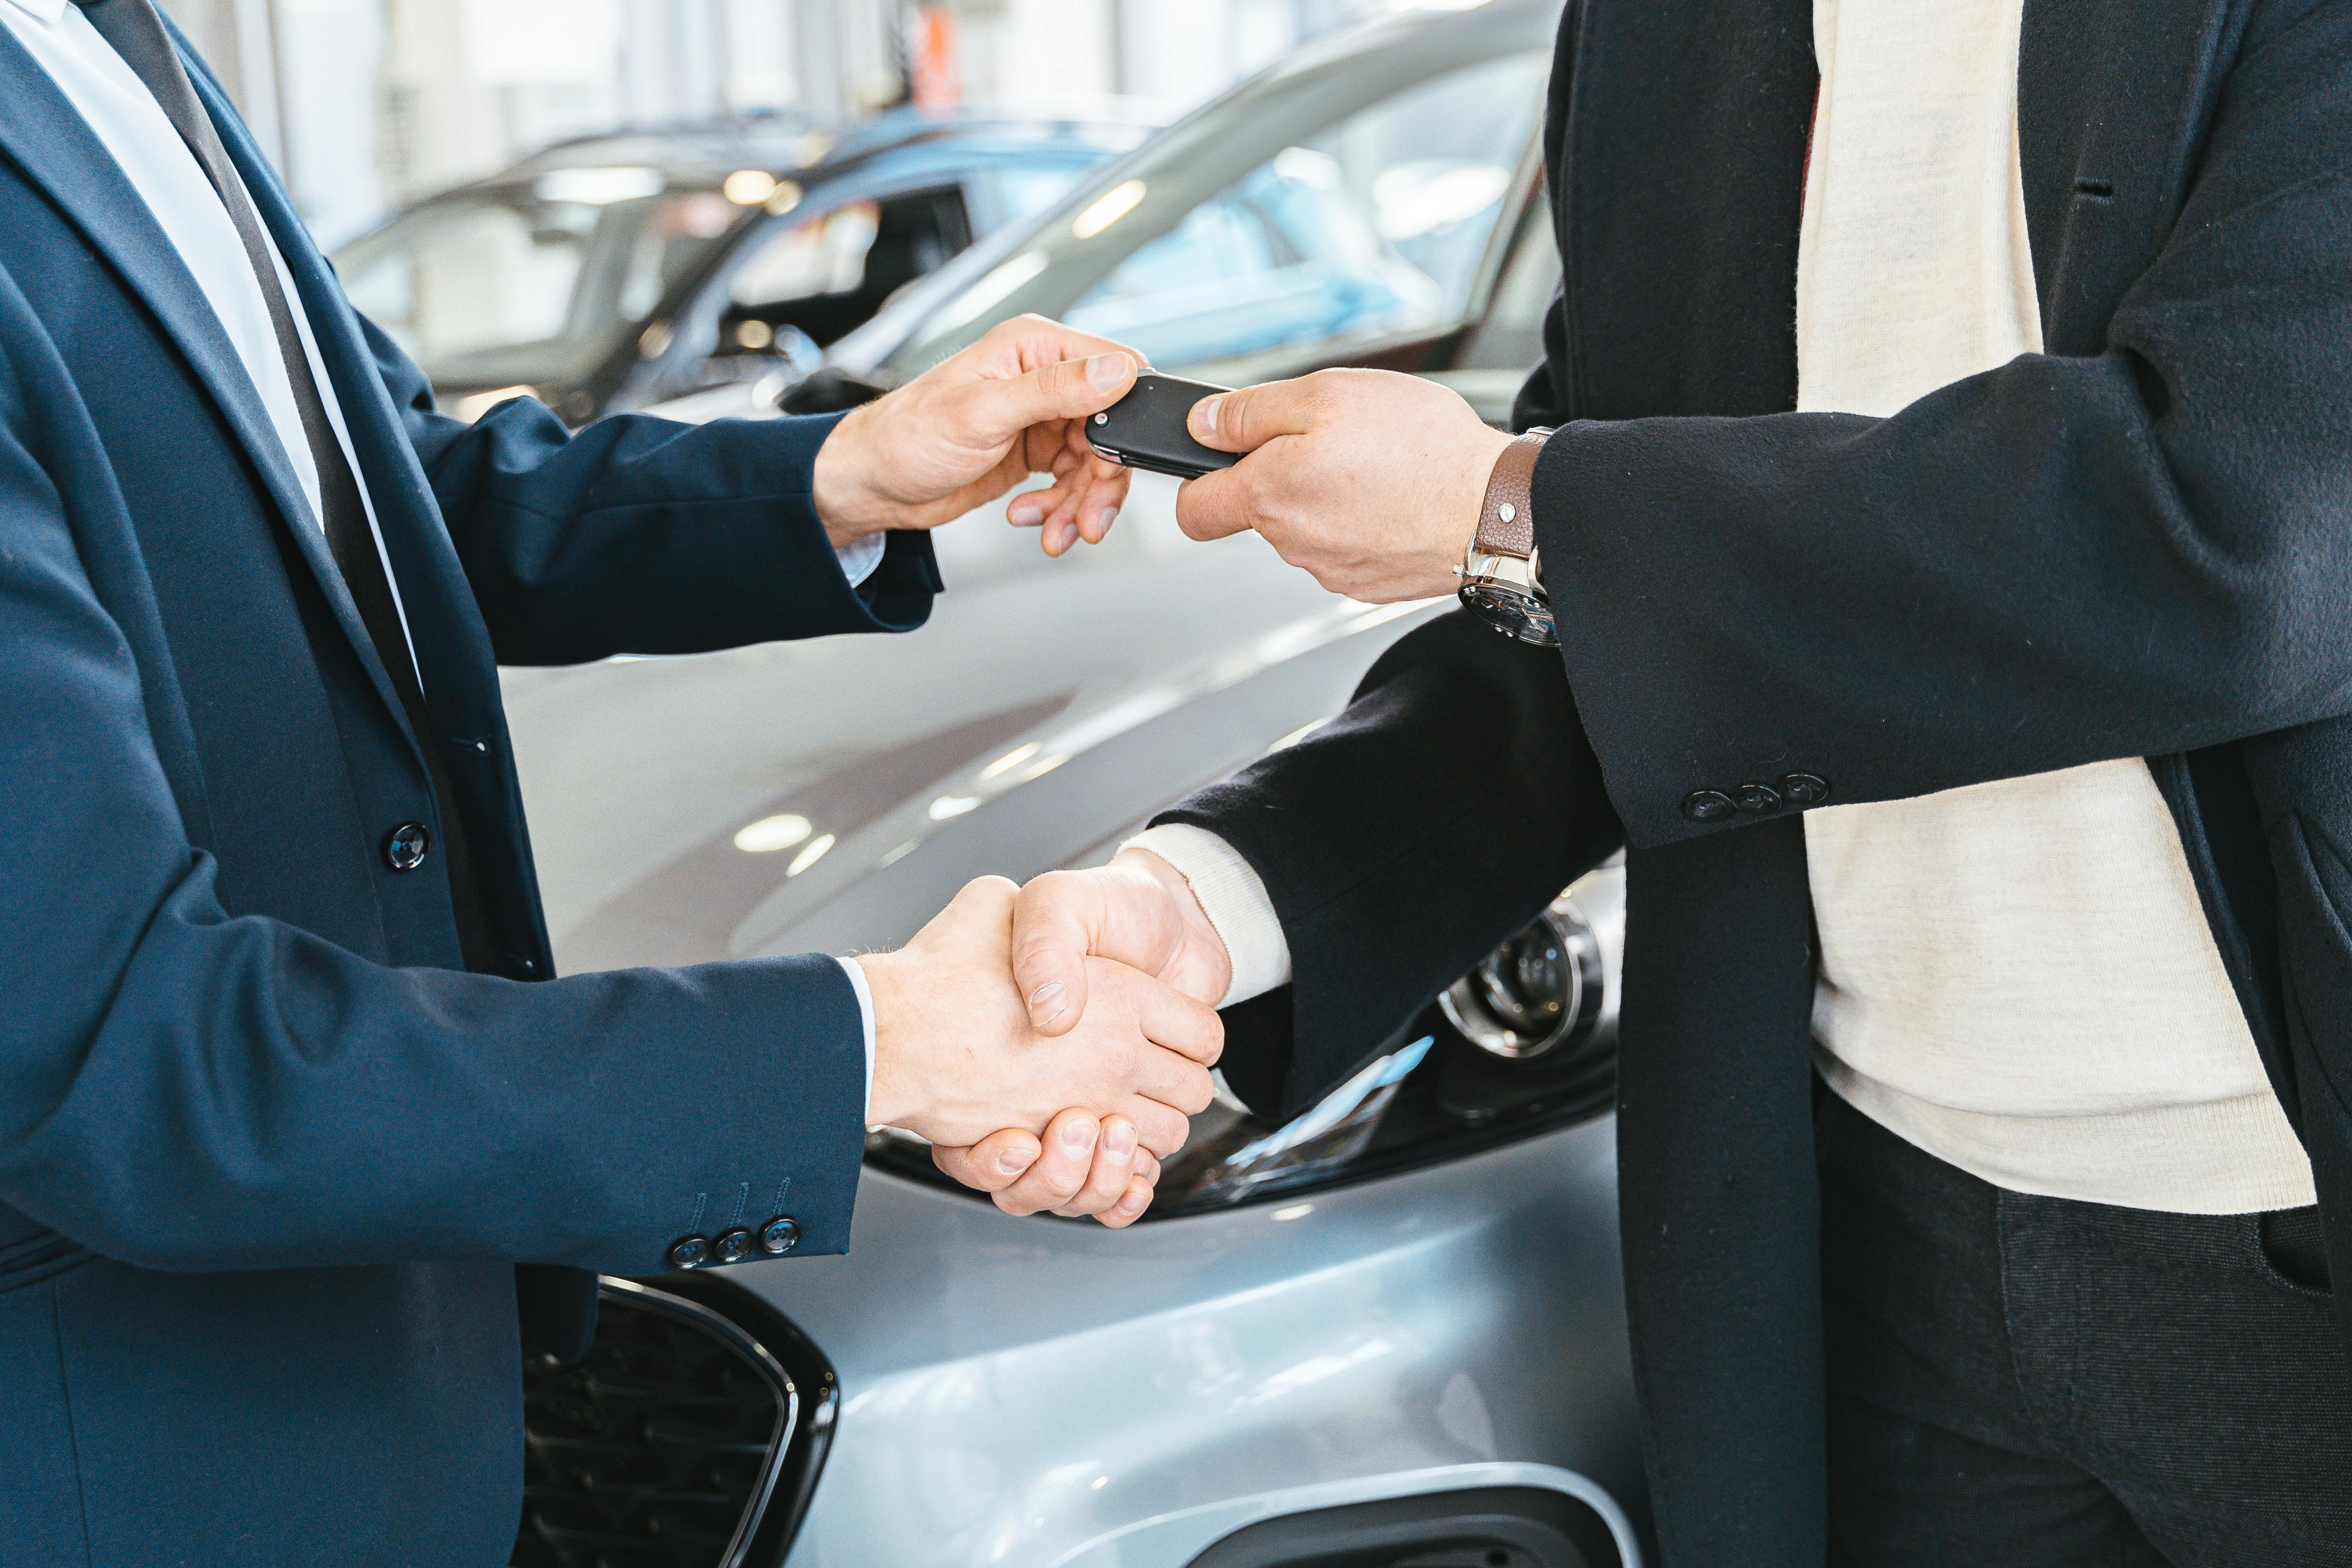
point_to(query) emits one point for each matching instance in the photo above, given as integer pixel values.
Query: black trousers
(2022, 1381)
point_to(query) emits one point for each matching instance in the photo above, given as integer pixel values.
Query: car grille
(665, 1446)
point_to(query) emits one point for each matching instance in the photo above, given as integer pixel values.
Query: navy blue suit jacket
(268, 1157)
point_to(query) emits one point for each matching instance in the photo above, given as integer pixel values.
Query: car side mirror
(831, 390)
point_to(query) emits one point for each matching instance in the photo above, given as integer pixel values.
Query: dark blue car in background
(617, 271)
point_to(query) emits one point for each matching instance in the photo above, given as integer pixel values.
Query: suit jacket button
(1756, 799)
(692, 1252)
(406, 846)
(734, 1246)
(780, 1236)
(1708, 806)
(1805, 789)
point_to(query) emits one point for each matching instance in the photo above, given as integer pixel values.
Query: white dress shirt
(2017, 977)
(134, 130)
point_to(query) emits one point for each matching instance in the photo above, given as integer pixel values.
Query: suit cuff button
(1708, 806)
(780, 1236)
(691, 1252)
(732, 1246)
(1756, 799)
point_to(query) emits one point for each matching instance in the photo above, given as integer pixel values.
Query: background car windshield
(1347, 207)
(532, 282)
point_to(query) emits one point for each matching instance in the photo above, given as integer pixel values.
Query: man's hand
(955, 1058)
(1139, 914)
(972, 427)
(1371, 481)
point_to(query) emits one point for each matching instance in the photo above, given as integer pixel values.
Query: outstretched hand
(1371, 481)
(974, 426)
(1136, 915)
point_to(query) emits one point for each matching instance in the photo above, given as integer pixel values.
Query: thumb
(1245, 420)
(993, 1164)
(998, 410)
(1058, 921)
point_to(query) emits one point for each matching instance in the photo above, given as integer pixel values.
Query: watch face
(1513, 611)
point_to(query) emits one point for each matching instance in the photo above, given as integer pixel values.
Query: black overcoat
(2136, 543)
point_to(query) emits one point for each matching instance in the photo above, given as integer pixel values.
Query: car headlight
(1526, 1042)
(1539, 993)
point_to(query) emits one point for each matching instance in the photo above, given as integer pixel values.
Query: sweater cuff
(1234, 898)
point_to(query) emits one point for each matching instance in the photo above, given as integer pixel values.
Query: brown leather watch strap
(1506, 522)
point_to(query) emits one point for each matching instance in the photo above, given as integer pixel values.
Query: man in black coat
(1945, 532)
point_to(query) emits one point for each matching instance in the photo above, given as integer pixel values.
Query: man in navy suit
(297, 1127)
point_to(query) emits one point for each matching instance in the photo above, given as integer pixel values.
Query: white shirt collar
(48, 11)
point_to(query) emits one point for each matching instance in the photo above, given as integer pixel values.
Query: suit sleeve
(2136, 552)
(644, 535)
(181, 1089)
(1438, 814)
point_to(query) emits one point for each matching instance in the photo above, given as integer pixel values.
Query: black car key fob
(1145, 428)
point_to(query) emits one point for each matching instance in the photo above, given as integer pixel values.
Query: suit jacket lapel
(451, 643)
(49, 139)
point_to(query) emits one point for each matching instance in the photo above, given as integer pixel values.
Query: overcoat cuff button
(1708, 806)
(780, 1236)
(692, 1252)
(1805, 789)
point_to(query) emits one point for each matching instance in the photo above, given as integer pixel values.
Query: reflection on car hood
(1047, 709)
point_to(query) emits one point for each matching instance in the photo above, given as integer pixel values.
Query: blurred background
(368, 104)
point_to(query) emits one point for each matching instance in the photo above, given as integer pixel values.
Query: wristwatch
(1502, 575)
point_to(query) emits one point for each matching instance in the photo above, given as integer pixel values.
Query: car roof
(784, 142)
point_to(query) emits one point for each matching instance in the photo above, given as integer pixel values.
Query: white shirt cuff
(1235, 900)
(861, 556)
(856, 973)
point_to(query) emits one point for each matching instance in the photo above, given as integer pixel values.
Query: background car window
(824, 273)
(1348, 221)
(522, 284)
(1511, 336)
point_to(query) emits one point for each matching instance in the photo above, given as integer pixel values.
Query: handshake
(1054, 1041)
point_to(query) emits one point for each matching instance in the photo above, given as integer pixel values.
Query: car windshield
(1348, 204)
(535, 281)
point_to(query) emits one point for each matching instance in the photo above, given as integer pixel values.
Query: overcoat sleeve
(639, 534)
(180, 1089)
(2142, 551)
(1400, 842)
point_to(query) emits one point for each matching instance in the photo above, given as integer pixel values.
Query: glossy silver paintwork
(1023, 1391)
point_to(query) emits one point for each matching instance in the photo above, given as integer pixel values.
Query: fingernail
(1027, 514)
(1079, 1135)
(1132, 1204)
(1118, 1141)
(1106, 370)
(1012, 1161)
(1044, 993)
(1205, 415)
(1109, 516)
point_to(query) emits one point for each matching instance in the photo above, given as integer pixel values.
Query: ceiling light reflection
(749, 187)
(810, 856)
(770, 834)
(1010, 760)
(948, 805)
(1108, 209)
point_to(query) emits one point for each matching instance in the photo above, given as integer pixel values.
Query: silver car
(1389, 1333)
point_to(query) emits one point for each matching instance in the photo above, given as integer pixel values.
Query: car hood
(1047, 709)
